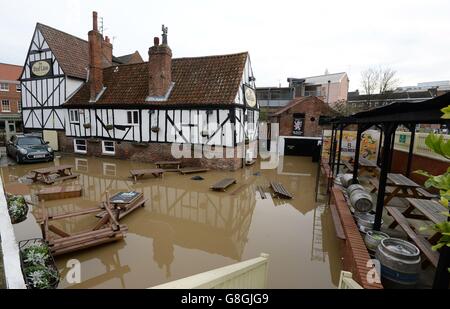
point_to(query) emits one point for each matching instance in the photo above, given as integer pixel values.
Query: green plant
(17, 208)
(41, 277)
(441, 182)
(36, 254)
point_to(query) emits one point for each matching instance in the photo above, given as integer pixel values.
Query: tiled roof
(71, 52)
(325, 108)
(10, 71)
(201, 80)
(128, 59)
(388, 96)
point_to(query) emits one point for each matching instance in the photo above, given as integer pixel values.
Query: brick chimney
(95, 59)
(107, 52)
(160, 67)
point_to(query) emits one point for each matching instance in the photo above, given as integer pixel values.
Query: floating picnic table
(49, 175)
(138, 173)
(59, 192)
(223, 184)
(124, 203)
(190, 170)
(169, 165)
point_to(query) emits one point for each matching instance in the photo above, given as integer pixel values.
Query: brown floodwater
(185, 228)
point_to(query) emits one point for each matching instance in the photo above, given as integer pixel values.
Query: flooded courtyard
(185, 228)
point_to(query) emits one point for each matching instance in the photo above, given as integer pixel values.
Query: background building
(10, 101)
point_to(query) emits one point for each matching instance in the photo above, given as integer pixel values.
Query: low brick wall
(152, 152)
(354, 251)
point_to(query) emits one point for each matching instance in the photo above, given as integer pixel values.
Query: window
(74, 116)
(18, 88)
(4, 87)
(80, 146)
(5, 106)
(19, 106)
(133, 117)
(109, 169)
(108, 147)
(81, 165)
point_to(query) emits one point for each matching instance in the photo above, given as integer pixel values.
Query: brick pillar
(160, 69)
(95, 59)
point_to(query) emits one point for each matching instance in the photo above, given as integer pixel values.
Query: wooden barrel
(361, 200)
(400, 263)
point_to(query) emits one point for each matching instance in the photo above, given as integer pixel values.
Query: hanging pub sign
(299, 122)
(41, 68)
(250, 96)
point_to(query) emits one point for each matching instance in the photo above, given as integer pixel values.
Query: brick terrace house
(120, 106)
(10, 100)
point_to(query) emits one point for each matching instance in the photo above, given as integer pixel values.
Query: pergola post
(331, 145)
(379, 147)
(333, 158)
(412, 129)
(391, 158)
(357, 149)
(341, 130)
(389, 130)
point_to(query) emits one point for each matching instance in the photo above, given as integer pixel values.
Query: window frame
(18, 88)
(107, 152)
(75, 148)
(134, 120)
(74, 112)
(4, 89)
(9, 104)
(19, 106)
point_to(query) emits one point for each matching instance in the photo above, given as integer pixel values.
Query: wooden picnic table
(364, 164)
(402, 187)
(223, 184)
(191, 170)
(174, 164)
(137, 173)
(45, 174)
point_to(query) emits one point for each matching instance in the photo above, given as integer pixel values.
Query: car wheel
(18, 159)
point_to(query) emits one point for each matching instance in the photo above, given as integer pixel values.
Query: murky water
(185, 228)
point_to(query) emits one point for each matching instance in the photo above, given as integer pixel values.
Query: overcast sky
(284, 38)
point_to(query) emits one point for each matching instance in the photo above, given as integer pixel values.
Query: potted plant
(155, 129)
(109, 127)
(38, 265)
(87, 125)
(17, 208)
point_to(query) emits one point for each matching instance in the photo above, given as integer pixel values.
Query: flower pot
(155, 129)
(87, 125)
(17, 208)
(109, 127)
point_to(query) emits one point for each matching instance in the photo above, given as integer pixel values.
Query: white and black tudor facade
(131, 109)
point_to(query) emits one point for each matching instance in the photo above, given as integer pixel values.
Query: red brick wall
(148, 152)
(311, 108)
(400, 159)
(13, 96)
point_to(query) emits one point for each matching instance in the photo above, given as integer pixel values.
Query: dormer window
(74, 116)
(133, 117)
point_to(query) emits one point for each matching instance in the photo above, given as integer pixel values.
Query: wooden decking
(139, 173)
(280, 191)
(223, 184)
(59, 192)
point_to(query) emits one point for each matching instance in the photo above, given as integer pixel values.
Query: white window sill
(80, 151)
(108, 153)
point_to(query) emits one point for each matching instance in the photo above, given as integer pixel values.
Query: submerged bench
(175, 165)
(59, 192)
(280, 191)
(190, 170)
(223, 184)
(156, 172)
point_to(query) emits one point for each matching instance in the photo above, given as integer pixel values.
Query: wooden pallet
(191, 170)
(280, 191)
(59, 192)
(223, 184)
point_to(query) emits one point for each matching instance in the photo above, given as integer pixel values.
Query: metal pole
(331, 144)
(340, 149)
(379, 147)
(392, 151)
(388, 130)
(333, 159)
(411, 149)
(356, 159)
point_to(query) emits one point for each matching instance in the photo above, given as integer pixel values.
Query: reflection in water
(185, 228)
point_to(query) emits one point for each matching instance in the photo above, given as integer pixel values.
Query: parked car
(29, 148)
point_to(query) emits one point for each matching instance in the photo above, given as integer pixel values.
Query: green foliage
(17, 208)
(438, 144)
(446, 111)
(41, 277)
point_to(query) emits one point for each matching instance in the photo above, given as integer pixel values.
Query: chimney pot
(94, 21)
(155, 41)
(107, 39)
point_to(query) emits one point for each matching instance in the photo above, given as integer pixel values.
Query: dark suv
(29, 148)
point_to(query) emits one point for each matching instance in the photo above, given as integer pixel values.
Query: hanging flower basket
(17, 208)
(109, 127)
(87, 125)
(155, 129)
(204, 133)
(38, 265)
(247, 141)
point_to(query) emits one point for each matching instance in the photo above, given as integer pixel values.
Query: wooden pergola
(387, 119)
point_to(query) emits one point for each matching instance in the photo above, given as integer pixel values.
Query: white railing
(346, 281)
(402, 140)
(10, 250)
(250, 274)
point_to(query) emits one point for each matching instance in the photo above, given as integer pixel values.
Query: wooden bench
(175, 165)
(223, 184)
(190, 170)
(420, 241)
(280, 191)
(337, 222)
(59, 192)
(63, 178)
(261, 192)
(425, 194)
(251, 162)
(156, 172)
(375, 183)
(348, 165)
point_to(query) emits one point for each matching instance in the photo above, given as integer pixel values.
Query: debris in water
(197, 178)
(257, 174)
